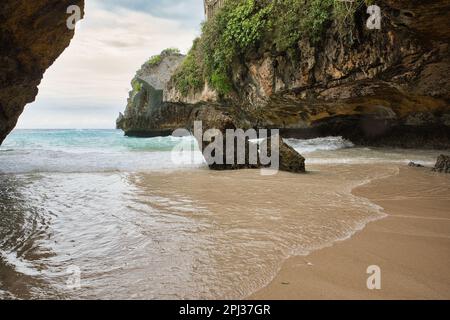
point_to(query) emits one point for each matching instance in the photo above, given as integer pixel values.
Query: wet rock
(415, 165)
(442, 164)
(289, 159)
(218, 119)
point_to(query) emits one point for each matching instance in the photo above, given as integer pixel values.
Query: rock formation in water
(32, 35)
(290, 160)
(145, 109)
(386, 87)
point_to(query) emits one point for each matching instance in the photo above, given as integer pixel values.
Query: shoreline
(410, 245)
(240, 228)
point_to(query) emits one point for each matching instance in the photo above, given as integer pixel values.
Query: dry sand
(411, 246)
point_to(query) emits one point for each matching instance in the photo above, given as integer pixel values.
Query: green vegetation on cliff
(156, 59)
(235, 29)
(136, 85)
(242, 25)
(189, 77)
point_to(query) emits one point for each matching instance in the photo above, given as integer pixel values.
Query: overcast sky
(88, 85)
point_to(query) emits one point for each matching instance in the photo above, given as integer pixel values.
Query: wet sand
(411, 246)
(200, 234)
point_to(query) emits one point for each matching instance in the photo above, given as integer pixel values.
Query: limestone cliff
(376, 87)
(145, 103)
(32, 35)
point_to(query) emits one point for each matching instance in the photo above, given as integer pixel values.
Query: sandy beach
(411, 246)
(194, 233)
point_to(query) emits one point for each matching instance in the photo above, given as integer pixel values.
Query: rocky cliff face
(145, 114)
(32, 35)
(381, 87)
(386, 87)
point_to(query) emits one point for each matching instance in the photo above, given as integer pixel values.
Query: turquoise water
(85, 141)
(26, 151)
(140, 223)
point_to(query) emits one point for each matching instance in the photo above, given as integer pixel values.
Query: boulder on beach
(290, 160)
(442, 164)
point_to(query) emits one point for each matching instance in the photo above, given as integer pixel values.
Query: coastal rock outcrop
(290, 160)
(245, 154)
(32, 35)
(145, 103)
(442, 164)
(388, 87)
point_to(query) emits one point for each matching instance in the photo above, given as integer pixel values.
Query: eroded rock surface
(289, 159)
(442, 164)
(388, 87)
(32, 35)
(145, 114)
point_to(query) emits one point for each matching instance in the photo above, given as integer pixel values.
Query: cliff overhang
(32, 35)
(375, 87)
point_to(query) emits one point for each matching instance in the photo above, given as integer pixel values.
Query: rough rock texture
(32, 35)
(290, 160)
(388, 87)
(144, 103)
(219, 119)
(206, 95)
(442, 164)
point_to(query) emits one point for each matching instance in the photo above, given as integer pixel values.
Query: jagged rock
(290, 160)
(173, 95)
(32, 35)
(386, 87)
(146, 98)
(219, 119)
(442, 164)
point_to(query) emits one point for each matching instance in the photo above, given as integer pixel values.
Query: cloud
(188, 12)
(110, 44)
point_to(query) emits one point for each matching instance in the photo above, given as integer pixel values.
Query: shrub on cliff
(136, 85)
(190, 76)
(240, 27)
(156, 59)
(235, 30)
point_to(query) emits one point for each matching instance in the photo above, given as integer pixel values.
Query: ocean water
(139, 222)
(89, 151)
(26, 151)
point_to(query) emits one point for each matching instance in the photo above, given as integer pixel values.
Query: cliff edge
(313, 68)
(145, 104)
(32, 35)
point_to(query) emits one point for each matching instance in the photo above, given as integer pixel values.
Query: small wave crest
(319, 144)
(38, 161)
